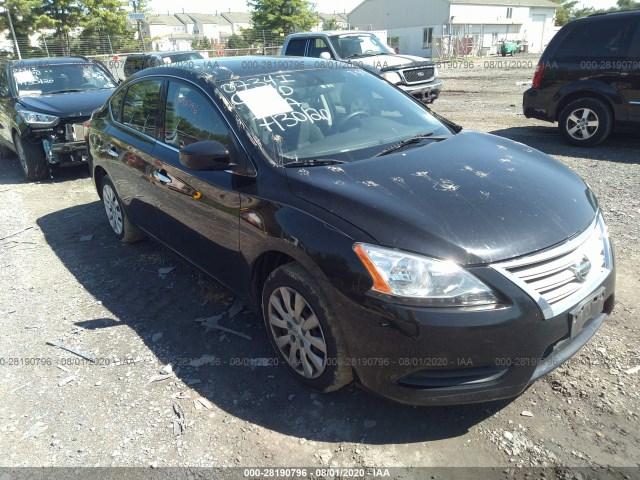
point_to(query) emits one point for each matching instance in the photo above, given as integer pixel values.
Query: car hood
(76, 104)
(474, 198)
(383, 62)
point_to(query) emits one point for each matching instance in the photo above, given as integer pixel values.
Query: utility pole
(13, 32)
(135, 10)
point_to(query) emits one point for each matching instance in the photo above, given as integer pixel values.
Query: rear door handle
(161, 177)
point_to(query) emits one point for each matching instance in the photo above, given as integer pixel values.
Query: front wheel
(120, 224)
(303, 330)
(585, 122)
(32, 158)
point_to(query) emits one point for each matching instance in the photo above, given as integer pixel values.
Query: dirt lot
(66, 279)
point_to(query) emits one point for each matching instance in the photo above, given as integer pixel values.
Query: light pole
(13, 32)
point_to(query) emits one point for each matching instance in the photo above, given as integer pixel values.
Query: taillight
(537, 77)
(85, 130)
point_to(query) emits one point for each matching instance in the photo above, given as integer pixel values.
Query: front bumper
(426, 92)
(427, 356)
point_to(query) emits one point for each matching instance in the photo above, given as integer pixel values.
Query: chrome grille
(418, 75)
(559, 278)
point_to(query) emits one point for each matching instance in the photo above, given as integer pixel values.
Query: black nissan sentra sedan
(382, 244)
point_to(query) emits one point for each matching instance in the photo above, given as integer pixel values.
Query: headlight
(436, 72)
(391, 77)
(436, 282)
(36, 119)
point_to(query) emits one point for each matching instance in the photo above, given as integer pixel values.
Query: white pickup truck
(415, 75)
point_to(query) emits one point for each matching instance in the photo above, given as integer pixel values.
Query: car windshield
(343, 114)
(354, 46)
(47, 79)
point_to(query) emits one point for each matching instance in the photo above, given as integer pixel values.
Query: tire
(294, 311)
(504, 54)
(32, 158)
(585, 122)
(126, 231)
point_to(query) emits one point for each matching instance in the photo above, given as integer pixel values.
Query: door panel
(128, 147)
(199, 211)
(630, 79)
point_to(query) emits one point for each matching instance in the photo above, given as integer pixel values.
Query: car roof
(30, 62)
(224, 68)
(598, 17)
(332, 32)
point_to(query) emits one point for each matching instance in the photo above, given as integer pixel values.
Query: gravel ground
(134, 309)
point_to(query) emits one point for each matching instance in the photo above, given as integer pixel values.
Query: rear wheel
(120, 224)
(32, 158)
(303, 330)
(585, 122)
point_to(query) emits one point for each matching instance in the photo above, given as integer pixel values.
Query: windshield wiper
(313, 162)
(409, 141)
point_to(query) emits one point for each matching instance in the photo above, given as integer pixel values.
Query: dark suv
(43, 104)
(588, 78)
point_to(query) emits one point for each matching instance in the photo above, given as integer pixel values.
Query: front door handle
(161, 177)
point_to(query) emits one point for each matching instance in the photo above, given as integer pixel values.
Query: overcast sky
(324, 6)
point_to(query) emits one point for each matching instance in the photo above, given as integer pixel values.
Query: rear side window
(190, 117)
(610, 38)
(296, 47)
(140, 108)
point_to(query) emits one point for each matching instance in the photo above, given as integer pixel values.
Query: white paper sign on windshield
(24, 76)
(264, 101)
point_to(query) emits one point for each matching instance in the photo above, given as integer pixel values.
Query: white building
(433, 28)
(239, 21)
(213, 26)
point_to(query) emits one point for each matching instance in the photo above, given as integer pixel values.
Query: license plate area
(74, 132)
(589, 308)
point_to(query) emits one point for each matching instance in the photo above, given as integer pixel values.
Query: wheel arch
(98, 174)
(581, 94)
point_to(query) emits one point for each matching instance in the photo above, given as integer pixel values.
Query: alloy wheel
(112, 207)
(297, 332)
(582, 123)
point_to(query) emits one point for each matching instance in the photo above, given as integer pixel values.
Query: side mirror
(325, 56)
(206, 155)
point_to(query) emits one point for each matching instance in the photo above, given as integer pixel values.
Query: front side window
(140, 108)
(190, 117)
(115, 105)
(51, 78)
(317, 47)
(335, 113)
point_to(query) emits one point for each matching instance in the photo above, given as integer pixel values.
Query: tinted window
(115, 105)
(601, 39)
(296, 47)
(190, 117)
(132, 64)
(140, 109)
